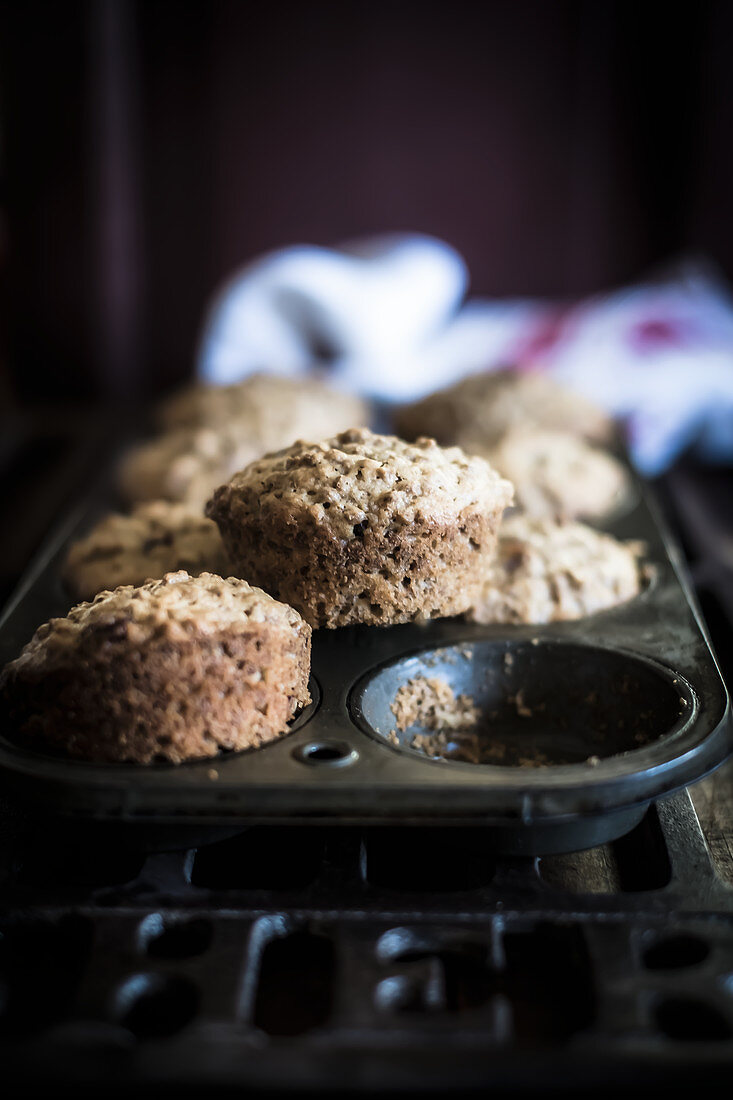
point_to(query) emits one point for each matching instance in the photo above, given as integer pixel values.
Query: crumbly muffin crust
(156, 538)
(547, 571)
(185, 465)
(558, 474)
(173, 670)
(364, 528)
(269, 404)
(215, 431)
(476, 411)
(431, 703)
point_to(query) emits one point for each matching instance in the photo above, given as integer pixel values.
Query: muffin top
(547, 570)
(268, 405)
(186, 464)
(156, 538)
(172, 609)
(359, 478)
(214, 431)
(477, 410)
(559, 474)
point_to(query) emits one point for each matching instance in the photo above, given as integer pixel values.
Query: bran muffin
(184, 465)
(547, 571)
(268, 405)
(173, 670)
(214, 431)
(476, 411)
(558, 474)
(364, 528)
(155, 539)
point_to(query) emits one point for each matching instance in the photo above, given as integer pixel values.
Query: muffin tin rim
(142, 798)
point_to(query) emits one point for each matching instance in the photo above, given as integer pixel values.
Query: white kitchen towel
(387, 316)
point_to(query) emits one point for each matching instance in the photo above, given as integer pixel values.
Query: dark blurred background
(150, 147)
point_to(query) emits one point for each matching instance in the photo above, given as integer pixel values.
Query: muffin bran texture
(156, 538)
(174, 670)
(364, 528)
(550, 571)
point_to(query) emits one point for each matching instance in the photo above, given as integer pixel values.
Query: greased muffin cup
(364, 528)
(174, 670)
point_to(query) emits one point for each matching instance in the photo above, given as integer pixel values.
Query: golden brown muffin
(267, 405)
(364, 528)
(157, 538)
(558, 474)
(546, 571)
(215, 431)
(185, 465)
(476, 411)
(173, 670)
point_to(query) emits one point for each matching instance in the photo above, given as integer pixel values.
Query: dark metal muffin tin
(622, 708)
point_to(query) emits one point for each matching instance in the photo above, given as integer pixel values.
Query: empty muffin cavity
(521, 704)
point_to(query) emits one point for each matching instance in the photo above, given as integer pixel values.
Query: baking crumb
(508, 660)
(534, 641)
(683, 702)
(522, 709)
(212, 773)
(430, 702)
(499, 754)
(593, 761)
(425, 744)
(451, 727)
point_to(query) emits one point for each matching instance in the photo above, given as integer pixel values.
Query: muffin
(364, 528)
(213, 432)
(476, 411)
(157, 538)
(266, 405)
(174, 670)
(547, 571)
(558, 474)
(184, 465)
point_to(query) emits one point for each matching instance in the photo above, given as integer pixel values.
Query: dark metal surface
(343, 959)
(337, 765)
(314, 959)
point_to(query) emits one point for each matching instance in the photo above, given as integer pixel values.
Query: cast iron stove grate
(352, 958)
(366, 957)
